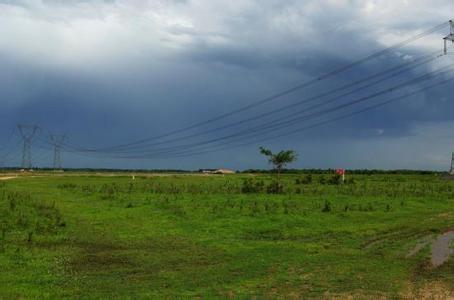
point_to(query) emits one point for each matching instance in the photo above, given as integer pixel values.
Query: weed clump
(251, 186)
(336, 179)
(304, 180)
(349, 180)
(326, 206)
(275, 188)
(30, 237)
(20, 214)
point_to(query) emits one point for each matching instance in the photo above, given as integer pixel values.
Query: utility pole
(449, 37)
(27, 133)
(451, 171)
(57, 142)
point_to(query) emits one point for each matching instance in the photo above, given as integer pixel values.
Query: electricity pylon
(27, 132)
(451, 171)
(450, 36)
(57, 142)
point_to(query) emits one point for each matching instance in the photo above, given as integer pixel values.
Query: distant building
(216, 171)
(224, 171)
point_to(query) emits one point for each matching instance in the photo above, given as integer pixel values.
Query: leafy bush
(304, 180)
(251, 186)
(335, 179)
(275, 188)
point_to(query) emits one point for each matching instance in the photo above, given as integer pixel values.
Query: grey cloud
(146, 67)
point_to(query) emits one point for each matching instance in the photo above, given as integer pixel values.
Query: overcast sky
(113, 72)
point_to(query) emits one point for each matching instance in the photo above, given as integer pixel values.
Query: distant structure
(451, 171)
(27, 132)
(57, 142)
(450, 36)
(216, 171)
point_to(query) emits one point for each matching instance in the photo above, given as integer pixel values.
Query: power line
(5, 147)
(27, 133)
(322, 123)
(15, 151)
(278, 124)
(57, 141)
(395, 71)
(185, 149)
(280, 94)
(8, 140)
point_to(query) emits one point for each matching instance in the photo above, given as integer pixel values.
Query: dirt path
(441, 249)
(421, 244)
(7, 177)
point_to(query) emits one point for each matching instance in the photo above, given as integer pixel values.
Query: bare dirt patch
(430, 290)
(441, 249)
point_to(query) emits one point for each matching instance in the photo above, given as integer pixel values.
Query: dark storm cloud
(109, 72)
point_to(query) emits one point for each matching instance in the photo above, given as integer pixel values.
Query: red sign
(340, 171)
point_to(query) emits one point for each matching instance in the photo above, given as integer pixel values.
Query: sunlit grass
(220, 235)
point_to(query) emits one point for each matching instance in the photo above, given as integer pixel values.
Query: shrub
(67, 186)
(304, 180)
(251, 186)
(335, 179)
(307, 179)
(326, 206)
(275, 188)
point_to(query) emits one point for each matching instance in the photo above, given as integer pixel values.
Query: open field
(223, 236)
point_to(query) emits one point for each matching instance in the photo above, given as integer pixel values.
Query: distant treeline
(332, 171)
(88, 170)
(249, 171)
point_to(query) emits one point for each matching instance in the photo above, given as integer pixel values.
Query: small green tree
(279, 160)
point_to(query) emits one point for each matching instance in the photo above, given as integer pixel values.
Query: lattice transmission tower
(27, 132)
(450, 36)
(451, 170)
(57, 141)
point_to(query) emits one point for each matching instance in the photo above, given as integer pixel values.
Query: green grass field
(222, 236)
